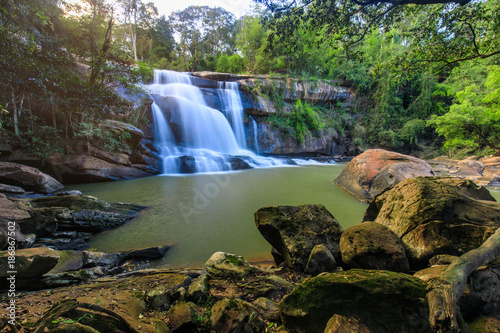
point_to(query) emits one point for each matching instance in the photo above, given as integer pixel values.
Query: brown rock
(375, 170)
(28, 178)
(436, 216)
(29, 263)
(85, 168)
(373, 246)
(342, 324)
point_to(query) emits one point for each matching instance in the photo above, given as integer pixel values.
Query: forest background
(426, 75)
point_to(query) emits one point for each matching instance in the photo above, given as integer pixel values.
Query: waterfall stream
(192, 137)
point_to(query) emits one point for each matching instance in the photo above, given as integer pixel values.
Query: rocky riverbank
(373, 277)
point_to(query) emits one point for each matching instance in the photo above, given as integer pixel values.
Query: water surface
(203, 213)
(200, 214)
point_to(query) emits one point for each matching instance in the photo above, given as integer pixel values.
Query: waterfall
(255, 134)
(233, 109)
(192, 137)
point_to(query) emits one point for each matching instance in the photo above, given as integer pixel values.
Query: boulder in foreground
(436, 216)
(382, 301)
(295, 230)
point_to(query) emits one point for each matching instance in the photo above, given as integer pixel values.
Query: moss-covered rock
(436, 216)
(373, 246)
(231, 315)
(222, 264)
(295, 230)
(383, 301)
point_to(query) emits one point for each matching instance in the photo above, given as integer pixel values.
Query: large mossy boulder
(383, 301)
(436, 216)
(28, 178)
(373, 246)
(370, 173)
(295, 230)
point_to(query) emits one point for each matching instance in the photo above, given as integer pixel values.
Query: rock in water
(28, 178)
(295, 230)
(436, 216)
(370, 173)
(383, 301)
(373, 246)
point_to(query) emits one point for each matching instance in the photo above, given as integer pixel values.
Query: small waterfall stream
(255, 134)
(193, 137)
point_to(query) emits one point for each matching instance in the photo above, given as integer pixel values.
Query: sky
(237, 7)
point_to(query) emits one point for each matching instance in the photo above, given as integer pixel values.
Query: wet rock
(436, 216)
(28, 178)
(239, 163)
(234, 315)
(222, 264)
(92, 259)
(28, 263)
(295, 230)
(150, 253)
(372, 172)
(373, 246)
(383, 301)
(343, 324)
(320, 260)
(188, 164)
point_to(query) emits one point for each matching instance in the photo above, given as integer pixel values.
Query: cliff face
(269, 140)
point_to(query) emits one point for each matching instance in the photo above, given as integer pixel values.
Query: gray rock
(294, 231)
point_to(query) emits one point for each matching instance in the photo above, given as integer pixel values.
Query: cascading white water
(193, 137)
(233, 109)
(255, 134)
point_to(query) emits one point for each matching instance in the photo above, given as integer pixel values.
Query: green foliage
(473, 121)
(146, 73)
(230, 64)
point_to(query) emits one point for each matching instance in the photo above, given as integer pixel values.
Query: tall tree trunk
(14, 106)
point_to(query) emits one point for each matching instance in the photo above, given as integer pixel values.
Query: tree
(202, 30)
(445, 32)
(474, 119)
